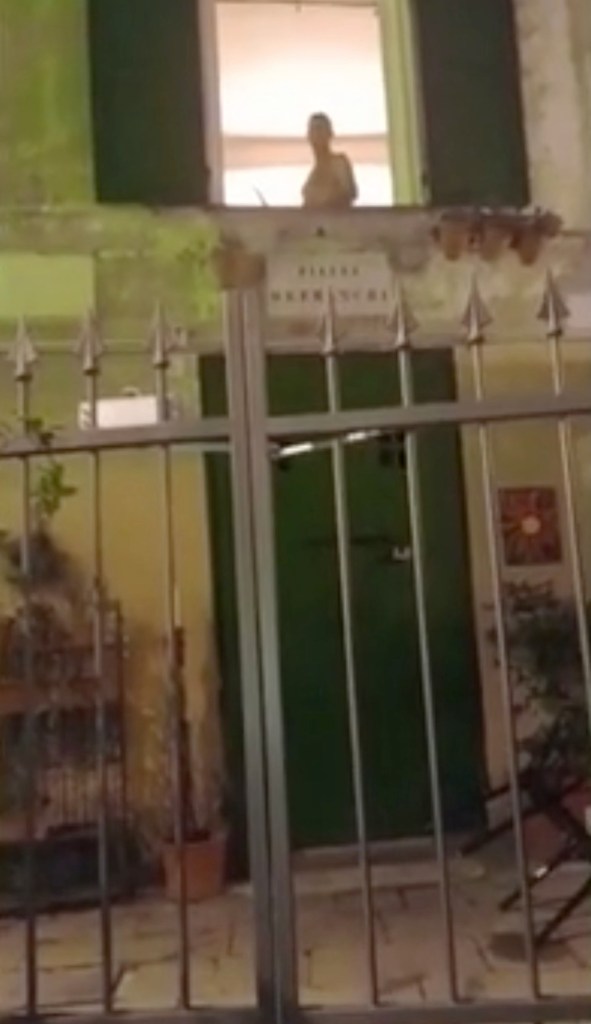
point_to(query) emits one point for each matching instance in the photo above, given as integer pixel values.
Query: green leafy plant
(50, 490)
(50, 573)
(543, 645)
(49, 566)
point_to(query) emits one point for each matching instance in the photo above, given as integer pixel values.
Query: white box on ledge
(122, 411)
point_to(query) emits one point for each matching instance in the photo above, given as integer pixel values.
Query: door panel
(313, 681)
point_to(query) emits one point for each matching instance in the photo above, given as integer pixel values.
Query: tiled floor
(331, 945)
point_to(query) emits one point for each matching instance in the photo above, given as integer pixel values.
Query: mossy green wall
(45, 140)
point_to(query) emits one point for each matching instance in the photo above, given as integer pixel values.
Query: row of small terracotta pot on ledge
(490, 234)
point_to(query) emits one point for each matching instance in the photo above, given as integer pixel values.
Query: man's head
(320, 132)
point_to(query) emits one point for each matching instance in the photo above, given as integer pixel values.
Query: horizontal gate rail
(307, 426)
(568, 1009)
(565, 1010)
(212, 434)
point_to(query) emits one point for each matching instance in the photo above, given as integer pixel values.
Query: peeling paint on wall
(555, 96)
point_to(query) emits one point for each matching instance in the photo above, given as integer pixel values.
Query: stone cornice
(185, 258)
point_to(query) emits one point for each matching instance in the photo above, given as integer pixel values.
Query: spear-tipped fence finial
(554, 311)
(402, 322)
(161, 339)
(165, 339)
(477, 316)
(90, 345)
(22, 354)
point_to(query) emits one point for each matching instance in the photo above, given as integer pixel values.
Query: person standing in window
(331, 182)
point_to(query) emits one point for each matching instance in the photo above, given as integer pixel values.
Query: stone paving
(331, 947)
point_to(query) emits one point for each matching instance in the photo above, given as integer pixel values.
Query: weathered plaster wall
(121, 261)
(45, 140)
(555, 50)
(138, 256)
(580, 30)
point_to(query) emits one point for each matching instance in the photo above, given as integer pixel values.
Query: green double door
(392, 720)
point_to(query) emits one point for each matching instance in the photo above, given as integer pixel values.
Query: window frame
(210, 101)
(401, 86)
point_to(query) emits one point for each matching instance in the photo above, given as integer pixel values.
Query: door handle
(390, 552)
(401, 554)
(358, 540)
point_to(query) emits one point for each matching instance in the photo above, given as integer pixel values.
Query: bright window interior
(279, 62)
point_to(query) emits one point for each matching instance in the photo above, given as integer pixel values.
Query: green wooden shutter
(472, 102)
(147, 111)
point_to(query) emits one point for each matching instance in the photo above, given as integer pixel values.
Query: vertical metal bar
(162, 347)
(555, 312)
(91, 350)
(24, 358)
(264, 536)
(405, 326)
(210, 57)
(243, 499)
(339, 475)
(119, 656)
(475, 321)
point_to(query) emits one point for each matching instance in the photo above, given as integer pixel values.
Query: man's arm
(347, 179)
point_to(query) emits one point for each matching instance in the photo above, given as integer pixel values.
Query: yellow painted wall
(134, 559)
(525, 455)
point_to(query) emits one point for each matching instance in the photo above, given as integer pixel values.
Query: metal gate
(255, 439)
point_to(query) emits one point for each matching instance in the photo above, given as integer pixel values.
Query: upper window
(266, 100)
(209, 100)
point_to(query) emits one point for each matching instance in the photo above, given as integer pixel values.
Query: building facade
(111, 176)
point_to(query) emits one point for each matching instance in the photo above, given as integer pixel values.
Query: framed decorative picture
(530, 524)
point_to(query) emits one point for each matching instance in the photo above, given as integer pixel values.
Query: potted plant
(542, 635)
(202, 853)
(530, 235)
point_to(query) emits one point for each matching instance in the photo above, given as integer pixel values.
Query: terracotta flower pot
(454, 237)
(205, 867)
(236, 267)
(529, 245)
